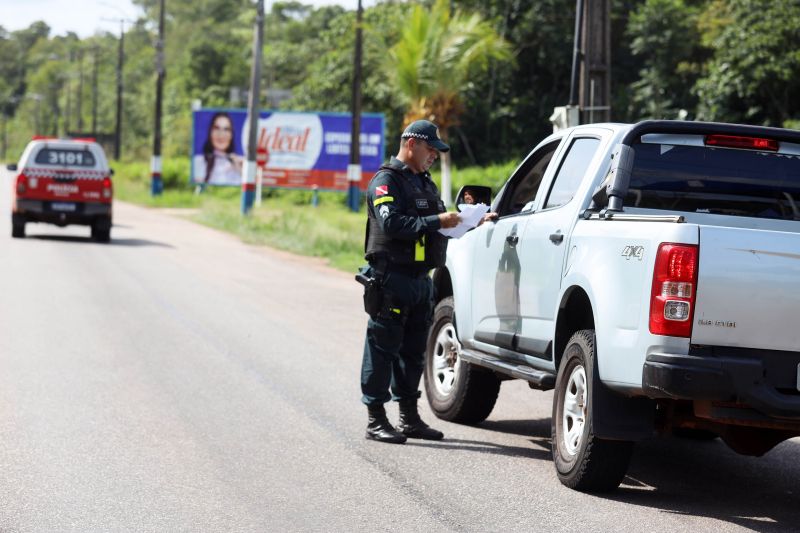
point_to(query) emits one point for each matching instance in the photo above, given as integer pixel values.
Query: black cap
(428, 132)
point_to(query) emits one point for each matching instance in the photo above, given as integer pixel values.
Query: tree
(434, 58)
(663, 33)
(327, 82)
(753, 74)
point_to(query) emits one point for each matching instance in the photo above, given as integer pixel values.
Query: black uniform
(402, 245)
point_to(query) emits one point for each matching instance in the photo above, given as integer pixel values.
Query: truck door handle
(512, 239)
(557, 237)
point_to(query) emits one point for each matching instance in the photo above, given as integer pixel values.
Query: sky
(85, 17)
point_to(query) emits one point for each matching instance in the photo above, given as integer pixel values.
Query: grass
(285, 220)
(327, 231)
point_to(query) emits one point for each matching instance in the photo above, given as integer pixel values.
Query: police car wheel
(17, 227)
(101, 230)
(457, 391)
(583, 462)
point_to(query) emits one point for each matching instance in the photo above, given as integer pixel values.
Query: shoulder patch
(380, 190)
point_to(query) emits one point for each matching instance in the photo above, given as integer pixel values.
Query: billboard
(302, 150)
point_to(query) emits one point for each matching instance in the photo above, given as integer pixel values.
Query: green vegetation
(286, 219)
(726, 60)
(492, 89)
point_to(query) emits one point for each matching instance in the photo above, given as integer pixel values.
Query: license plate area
(65, 207)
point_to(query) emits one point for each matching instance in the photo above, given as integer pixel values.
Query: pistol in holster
(373, 292)
(378, 302)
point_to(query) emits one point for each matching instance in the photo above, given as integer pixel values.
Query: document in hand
(470, 216)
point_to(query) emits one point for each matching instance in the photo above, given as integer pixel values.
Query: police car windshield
(65, 157)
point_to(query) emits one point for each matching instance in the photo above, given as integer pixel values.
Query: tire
(101, 230)
(583, 462)
(17, 227)
(457, 391)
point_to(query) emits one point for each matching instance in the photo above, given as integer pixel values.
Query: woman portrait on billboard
(223, 166)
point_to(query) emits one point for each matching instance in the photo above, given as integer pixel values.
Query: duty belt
(381, 266)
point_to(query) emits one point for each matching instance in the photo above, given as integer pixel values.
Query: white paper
(470, 216)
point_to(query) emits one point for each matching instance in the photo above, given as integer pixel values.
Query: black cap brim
(439, 145)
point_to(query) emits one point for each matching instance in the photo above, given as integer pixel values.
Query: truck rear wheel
(583, 462)
(457, 391)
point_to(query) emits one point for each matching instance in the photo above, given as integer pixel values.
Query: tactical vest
(428, 250)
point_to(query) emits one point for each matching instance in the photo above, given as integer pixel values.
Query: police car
(63, 181)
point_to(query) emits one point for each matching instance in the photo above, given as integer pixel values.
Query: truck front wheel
(457, 391)
(583, 462)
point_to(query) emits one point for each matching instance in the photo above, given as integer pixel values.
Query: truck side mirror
(474, 194)
(614, 187)
(12, 167)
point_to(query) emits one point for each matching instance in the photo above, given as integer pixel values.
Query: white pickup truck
(650, 274)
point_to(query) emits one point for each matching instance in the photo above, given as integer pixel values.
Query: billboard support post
(353, 192)
(259, 181)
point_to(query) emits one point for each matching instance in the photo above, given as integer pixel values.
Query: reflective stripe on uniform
(382, 200)
(419, 249)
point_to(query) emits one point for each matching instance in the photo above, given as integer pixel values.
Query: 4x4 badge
(633, 251)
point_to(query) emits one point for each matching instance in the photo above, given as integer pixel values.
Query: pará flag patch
(380, 190)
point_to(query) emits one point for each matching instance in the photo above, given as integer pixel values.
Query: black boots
(379, 428)
(412, 426)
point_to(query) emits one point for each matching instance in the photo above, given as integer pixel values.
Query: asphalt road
(179, 380)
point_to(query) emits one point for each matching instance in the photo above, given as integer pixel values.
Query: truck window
(572, 171)
(723, 181)
(524, 185)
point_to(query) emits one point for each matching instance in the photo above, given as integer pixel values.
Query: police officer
(404, 214)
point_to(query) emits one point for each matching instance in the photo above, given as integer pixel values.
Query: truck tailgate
(748, 289)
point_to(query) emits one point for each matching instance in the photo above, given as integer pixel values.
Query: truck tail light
(672, 298)
(107, 188)
(22, 184)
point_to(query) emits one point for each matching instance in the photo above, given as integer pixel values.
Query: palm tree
(432, 61)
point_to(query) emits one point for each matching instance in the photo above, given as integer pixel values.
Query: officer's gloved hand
(449, 220)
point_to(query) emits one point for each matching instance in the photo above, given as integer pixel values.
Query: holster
(373, 292)
(378, 302)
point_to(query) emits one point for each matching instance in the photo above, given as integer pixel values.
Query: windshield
(701, 179)
(65, 157)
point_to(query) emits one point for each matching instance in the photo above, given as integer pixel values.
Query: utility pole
(38, 98)
(80, 90)
(94, 93)
(576, 54)
(5, 136)
(595, 72)
(68, 89)
(156, 184)
(354, 168)
(120, 59)
(249, 168)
